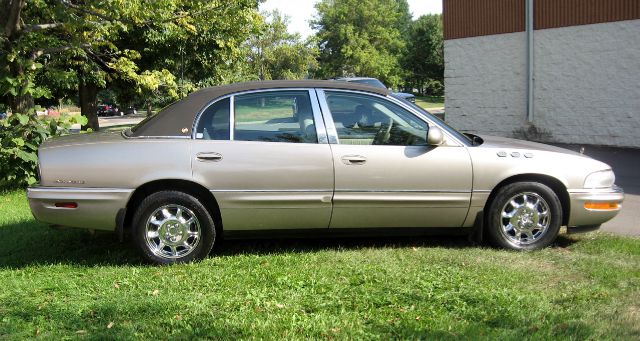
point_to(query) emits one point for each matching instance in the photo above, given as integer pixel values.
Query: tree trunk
(11, 14)
(23, 102)
(89, 104)
(149, 109)
(10, 23)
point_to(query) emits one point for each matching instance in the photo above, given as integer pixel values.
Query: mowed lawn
(70, 284)
(430, 102)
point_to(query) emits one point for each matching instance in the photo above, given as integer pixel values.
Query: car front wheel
(173, 227)
(524, 216)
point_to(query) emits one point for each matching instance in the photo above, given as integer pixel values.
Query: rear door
(265, 157)
(385, 173)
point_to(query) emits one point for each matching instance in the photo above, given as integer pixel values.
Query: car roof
(172, 120)
(348, 79)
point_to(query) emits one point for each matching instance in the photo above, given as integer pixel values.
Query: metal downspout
(530, 28)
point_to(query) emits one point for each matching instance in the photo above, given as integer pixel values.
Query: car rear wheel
(173, 227)
(524, 216)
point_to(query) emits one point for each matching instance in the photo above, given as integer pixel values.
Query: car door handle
(354, 160)
(214, 157)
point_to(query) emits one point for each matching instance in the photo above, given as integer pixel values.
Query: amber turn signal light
(602, 206)
(67, 204)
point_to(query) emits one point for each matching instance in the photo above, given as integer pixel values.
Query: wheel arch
(186, 186)
(556, 186)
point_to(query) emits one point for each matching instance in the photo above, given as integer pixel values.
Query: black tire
(206, 236)
(532, 237)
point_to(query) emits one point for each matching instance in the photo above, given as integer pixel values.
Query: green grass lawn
(69, 284)
(430, 102)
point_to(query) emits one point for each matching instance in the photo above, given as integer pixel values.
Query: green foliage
(156, 49)
(277, 54)
(362, 38)
(424, 59)
(20, 137)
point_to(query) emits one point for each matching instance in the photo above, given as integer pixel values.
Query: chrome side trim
(332, 133)
(231, 111)
(321, 131)
(79, 189)
(337, 191)
(614, 189)
(270, 190)
(399, 191)
(232, 117)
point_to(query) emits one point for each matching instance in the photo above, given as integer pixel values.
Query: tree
(277, 54)
(362, 38)
(95, 40)
(425, 59)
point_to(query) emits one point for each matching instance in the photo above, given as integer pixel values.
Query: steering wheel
(384, 133)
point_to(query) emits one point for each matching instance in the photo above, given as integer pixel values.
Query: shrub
(434, 87)
(20, 137)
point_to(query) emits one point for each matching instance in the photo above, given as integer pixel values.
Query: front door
(385, 173)
(259, 153)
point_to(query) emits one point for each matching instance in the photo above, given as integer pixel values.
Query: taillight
(67, 204)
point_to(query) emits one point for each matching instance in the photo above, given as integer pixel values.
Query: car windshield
(443, 125)
(369, 81)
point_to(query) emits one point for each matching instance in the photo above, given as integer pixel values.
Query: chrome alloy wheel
(172, 231)
(525, 218)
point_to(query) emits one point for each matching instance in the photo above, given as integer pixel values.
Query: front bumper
(97, 208)
(581, 216)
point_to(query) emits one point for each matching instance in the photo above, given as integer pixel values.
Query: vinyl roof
(172, 120)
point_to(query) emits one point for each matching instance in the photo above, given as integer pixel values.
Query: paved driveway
(626, 164)
(119, 120)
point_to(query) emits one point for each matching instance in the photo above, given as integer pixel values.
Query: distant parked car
(130, 111)
(109, 110)
(378, 84)
(3, 116)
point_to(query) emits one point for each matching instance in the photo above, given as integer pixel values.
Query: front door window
(366, 120)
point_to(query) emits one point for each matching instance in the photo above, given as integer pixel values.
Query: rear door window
(275, 116)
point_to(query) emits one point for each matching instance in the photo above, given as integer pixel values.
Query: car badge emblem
(185, 130)
(515, 154)
(502, 154)
(528, 155)
(72, 182)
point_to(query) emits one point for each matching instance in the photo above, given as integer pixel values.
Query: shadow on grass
(31, 243)
(91, 321)
(302, 245)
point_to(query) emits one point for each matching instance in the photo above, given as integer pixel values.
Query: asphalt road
(626, 165)
(119, 120)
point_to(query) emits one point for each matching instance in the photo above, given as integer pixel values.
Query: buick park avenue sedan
(306, 157)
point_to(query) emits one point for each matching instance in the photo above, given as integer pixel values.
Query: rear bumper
(581, 216)
(97, 207)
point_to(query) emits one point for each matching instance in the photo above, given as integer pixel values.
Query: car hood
(510, 144)
(83, 139)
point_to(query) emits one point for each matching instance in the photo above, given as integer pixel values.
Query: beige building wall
(586, 84)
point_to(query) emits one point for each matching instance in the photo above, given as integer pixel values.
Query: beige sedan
(312, 158)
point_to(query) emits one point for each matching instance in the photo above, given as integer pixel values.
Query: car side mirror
(435, 137)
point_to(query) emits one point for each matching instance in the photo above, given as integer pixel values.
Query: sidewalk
(626, 165)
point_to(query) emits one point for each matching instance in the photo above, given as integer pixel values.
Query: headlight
(601, 179)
